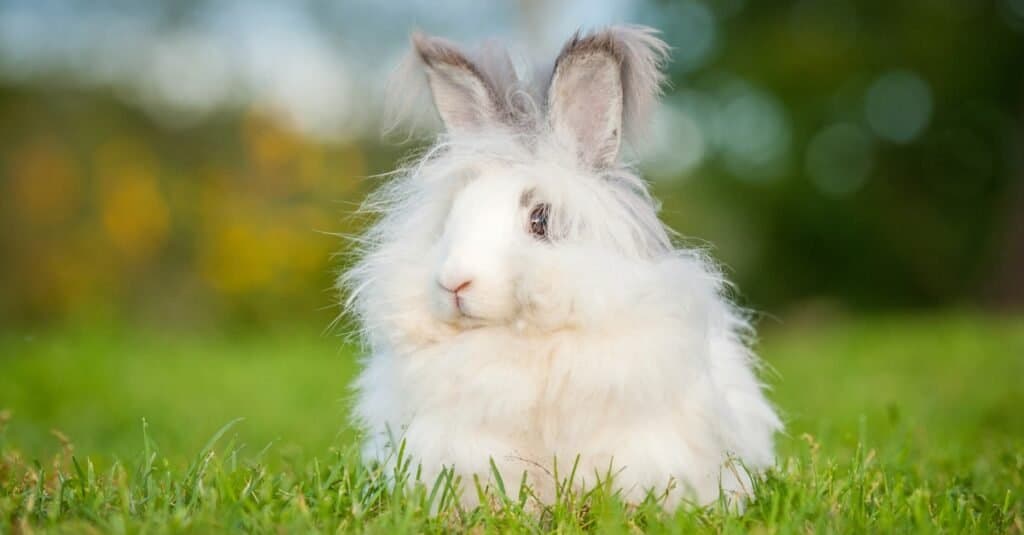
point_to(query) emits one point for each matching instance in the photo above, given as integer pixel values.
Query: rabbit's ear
(585, 98)
(462, 95)
(603, 83)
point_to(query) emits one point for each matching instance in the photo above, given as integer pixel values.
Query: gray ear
(604, 83)
(462, 95)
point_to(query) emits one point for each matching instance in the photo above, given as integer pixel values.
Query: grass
(893, 425)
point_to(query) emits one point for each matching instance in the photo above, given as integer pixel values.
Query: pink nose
(455, 289)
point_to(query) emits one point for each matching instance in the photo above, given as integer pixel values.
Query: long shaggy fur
(599, 340)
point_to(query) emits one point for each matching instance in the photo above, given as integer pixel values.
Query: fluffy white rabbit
(520, 300)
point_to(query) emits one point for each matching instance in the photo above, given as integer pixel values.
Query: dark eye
(539, 220)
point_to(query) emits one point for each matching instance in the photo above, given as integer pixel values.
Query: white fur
(606, 342)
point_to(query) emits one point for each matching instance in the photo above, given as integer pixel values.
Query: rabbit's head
(522, 175)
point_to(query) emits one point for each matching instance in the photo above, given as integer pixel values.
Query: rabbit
(520, 302)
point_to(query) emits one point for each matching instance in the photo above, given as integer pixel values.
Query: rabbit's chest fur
(639, 401)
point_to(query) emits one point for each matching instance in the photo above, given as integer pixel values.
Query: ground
(895, 424)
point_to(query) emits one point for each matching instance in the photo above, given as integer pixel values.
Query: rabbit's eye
(539, 221)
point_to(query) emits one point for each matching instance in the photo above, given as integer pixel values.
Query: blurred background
(175, 175)
(190, 162)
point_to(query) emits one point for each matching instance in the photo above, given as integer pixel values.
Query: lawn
(895, 424)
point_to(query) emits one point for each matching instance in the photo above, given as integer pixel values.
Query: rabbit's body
(522, 303)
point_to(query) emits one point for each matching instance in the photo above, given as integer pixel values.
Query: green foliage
(231, 219)
(894, 425)
(932, 218)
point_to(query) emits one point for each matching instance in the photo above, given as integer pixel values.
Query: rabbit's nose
(456, 287)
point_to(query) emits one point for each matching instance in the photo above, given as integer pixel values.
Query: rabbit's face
(525, 178)
(496, 223)
(512, 227)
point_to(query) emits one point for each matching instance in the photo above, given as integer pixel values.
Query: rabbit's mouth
(460, 305)
(463, 314)
(458, 309)
(455, 311)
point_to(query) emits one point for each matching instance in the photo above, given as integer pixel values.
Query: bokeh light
(693, 30)
(898, 106)
(840, 158)
(750, 130)
(677, 144)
